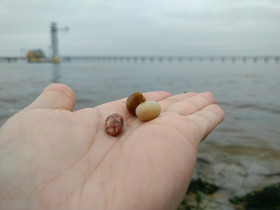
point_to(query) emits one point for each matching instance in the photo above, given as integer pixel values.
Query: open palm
(54, 158)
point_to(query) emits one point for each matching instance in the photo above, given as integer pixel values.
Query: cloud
(143, 27)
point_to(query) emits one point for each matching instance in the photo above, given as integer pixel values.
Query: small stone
(114, 124)
(148, 110)
(133, 101)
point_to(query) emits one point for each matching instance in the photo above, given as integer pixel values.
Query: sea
(240, 153)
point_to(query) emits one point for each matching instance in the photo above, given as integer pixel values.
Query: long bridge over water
(105, 58)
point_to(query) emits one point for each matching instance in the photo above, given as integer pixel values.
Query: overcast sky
(143, 27)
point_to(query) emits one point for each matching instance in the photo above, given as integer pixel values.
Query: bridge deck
(153, 58)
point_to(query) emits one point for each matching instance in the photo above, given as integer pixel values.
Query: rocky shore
(234, 177)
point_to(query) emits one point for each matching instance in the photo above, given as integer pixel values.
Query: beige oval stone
(148, 110)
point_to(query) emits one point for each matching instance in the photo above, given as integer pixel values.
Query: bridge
(10, 59)
(170, 58)
(104, 58)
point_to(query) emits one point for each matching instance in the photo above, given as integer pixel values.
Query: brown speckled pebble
(114, 124)
(133, 101)
(148, 110)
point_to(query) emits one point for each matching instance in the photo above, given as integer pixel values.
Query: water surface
(246, 143)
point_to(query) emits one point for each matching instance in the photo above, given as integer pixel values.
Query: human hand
(54, 158)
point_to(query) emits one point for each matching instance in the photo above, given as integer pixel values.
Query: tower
(54, 41)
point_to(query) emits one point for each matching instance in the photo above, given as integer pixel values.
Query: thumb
(55, 96)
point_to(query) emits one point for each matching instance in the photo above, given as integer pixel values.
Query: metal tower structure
(54, 41)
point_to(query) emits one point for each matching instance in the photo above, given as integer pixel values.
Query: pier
(179, 59)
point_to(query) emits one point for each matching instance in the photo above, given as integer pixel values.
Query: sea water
(247, 142)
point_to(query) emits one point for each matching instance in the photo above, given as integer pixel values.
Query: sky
(142, 27)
